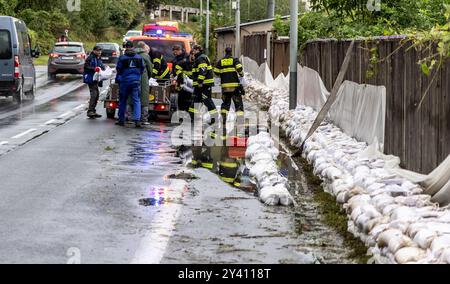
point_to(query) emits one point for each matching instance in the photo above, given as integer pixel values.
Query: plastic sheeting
(311, 89)
(360, 110)
(436, 184)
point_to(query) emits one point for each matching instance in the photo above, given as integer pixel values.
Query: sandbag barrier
(261, 156)
(390, 214)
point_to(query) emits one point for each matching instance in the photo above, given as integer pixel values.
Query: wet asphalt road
(75, 190)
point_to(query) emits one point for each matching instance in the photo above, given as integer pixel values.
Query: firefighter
(203, 81)
(230, 71)
(161, 70)
(182, 69)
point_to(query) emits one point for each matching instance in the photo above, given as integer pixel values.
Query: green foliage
(97, 20)
(352, 19)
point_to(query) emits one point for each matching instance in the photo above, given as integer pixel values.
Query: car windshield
(67, 49)
(165, 47)
(107, 46)
(5, 45)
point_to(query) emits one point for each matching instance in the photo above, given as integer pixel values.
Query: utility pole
(237, 47)
(293, 53)
(207, 28)
(201, 14)
(270, 9)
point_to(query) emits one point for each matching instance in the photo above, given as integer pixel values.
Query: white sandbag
(103, 75)
(153, 82)
(409, 254)
(424, 238)
(276, 195)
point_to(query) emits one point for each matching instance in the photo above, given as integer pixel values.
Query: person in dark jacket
(203, 81)
(230, 70)
(182, 69)
(92, 65)
(130, 68)
(161, 70)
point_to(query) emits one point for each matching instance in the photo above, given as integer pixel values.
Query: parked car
(17, 73)
(110, 52)
(66, 58)
(130, 34)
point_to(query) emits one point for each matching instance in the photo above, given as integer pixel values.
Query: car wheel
(32, 93)
(51, 76)
(18, 96)
(152, 116)
(110, 113)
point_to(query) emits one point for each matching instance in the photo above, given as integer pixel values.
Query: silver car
(66, 58)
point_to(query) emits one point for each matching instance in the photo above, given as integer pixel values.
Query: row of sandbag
(261, 157)
(390, 214)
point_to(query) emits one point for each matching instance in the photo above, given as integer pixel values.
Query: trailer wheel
(110, 113)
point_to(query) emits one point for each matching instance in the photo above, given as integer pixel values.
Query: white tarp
(311, 90)
(360, 111)
(436, 184)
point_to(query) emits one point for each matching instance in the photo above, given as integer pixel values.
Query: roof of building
(232, 28)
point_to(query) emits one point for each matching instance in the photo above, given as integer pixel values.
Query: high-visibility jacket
(161, 69)
(182, 68)
(202, 71)
(229, 70)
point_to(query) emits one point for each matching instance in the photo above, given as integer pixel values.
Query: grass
(334, 215)
(42, 60)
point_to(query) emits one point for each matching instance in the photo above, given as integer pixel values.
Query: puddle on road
(152, 148)
(226, 162)
(319, 226)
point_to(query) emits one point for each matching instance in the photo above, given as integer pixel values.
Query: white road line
(80, 107)
(24, 133)
(3, 143)
(65, 114)
(51, 121)
(154, 244)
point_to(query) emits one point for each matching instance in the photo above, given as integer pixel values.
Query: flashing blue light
(159, 32)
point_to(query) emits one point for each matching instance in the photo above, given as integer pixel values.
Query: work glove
(243, 82)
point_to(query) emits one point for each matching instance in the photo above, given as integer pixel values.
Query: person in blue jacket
(92, 65)
(129, 71)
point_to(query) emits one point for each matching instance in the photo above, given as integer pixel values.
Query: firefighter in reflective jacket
(182, 69)
(161, 70)
(203, 77)
(230, 70)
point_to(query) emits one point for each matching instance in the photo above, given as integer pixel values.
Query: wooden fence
(419, 136)
(255, 45)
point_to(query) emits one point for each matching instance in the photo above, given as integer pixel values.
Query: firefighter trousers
(203, 95)
(236, 98)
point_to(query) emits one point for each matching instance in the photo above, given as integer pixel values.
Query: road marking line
(80, 107)
(51, 121)
(3, 143)
(154, 245)
(65, 114)
(24, 133)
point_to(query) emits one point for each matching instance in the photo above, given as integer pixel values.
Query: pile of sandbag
(392, 215)
(261, 157)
